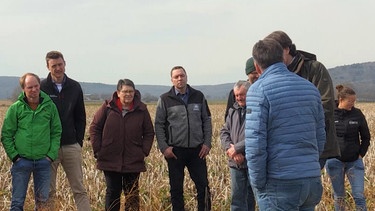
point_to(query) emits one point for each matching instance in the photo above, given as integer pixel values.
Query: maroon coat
(120, 143)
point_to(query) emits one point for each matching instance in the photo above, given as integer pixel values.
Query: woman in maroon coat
(121, 135)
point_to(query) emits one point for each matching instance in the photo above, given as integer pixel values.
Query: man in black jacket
(67, 94)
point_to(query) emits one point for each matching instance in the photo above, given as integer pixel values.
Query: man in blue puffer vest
(284, 134)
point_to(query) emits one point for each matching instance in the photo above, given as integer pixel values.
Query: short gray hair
(242, 83)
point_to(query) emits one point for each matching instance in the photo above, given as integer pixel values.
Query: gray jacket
(233, 132)
(180, 125)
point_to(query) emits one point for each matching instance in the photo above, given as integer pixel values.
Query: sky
(107, 40)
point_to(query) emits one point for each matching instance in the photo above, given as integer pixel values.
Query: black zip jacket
(69, 103)
(352, 133)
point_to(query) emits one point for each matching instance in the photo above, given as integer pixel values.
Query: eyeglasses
(127, 91)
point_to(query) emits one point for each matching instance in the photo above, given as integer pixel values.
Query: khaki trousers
(70, 158)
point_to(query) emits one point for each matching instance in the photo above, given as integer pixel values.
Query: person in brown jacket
(121, 135)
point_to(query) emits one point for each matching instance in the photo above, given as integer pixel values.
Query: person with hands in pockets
(121, 135)
(183, 131)
(31, 138)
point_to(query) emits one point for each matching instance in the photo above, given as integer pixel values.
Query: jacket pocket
(109, 149)
(137, 142)
(106, 142)
(170, 135)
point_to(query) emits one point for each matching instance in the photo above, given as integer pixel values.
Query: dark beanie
(249, 66)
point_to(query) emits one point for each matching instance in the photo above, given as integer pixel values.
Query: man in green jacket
(31, 138)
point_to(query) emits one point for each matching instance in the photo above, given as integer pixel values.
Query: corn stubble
(154, 183)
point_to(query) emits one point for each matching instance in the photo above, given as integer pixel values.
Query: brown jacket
(306, 66)
(120, 144)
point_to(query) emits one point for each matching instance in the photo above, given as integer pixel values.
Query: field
(154, 183)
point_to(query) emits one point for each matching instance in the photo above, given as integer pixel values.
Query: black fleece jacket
(69, 103)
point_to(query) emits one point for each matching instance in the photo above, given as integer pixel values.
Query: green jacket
(306, 66)
(31, 134)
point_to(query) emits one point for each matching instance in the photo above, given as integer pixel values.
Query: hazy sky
(103, 41)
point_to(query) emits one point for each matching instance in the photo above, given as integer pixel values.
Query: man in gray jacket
(183, 131)
(232, 137)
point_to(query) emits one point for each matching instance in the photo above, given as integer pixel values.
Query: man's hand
(168, 153)
(231, 152)
(239, 158)
(204, 151)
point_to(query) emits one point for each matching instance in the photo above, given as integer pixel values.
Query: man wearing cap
(252, 76)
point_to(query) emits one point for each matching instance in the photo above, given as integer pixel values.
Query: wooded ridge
(360, 76)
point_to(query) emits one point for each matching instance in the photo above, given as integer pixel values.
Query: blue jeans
(242, 193)
(21, 171)
(188, 157)
(355, 172)
(292, 195)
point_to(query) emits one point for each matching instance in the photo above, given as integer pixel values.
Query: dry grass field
(154, 183)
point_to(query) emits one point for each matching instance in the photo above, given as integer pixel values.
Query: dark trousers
(116, 183)
(197, 168)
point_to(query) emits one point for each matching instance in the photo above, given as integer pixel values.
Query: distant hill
(99, 91)
(9, 86)
(361, 77)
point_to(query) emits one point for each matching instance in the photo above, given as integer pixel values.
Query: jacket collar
(279, 66)
(137, 103)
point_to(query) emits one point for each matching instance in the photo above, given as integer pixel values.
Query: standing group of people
(282, 127)
(291, 129)
(122, 134)
(44, 128)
